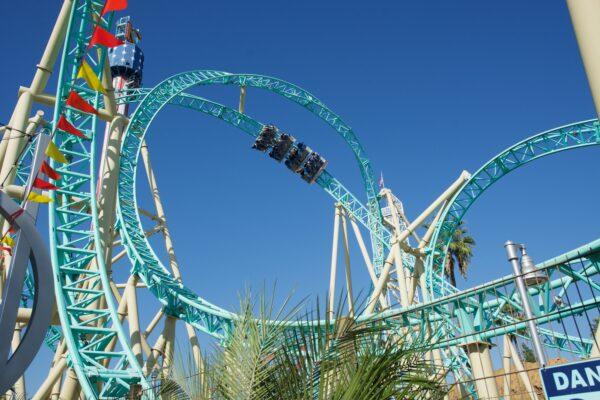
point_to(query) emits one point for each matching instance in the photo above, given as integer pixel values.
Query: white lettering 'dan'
(577, 379)
(561, 380)
(593, 377)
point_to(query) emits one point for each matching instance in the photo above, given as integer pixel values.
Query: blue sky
(431, 88)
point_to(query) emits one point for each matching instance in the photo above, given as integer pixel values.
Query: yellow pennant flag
(38, 198)
(7, 240)
(54, 153)
(86, 72)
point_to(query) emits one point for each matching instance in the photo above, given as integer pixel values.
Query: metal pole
(400, 273)
(522, 372)
(512, 251)
(350, 292)
(381, 284)
(160, 212)
(401, 237)
(585, 15)
(506, 367)
(367, 259)
(242, 105)
(134, 320)
(334, 257)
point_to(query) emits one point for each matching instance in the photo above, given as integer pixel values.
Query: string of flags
(100, 37)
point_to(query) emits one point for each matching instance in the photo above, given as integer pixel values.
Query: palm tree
(319, 360)
(460, 252)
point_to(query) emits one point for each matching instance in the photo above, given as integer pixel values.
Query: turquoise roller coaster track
(98, 347)
(180, 301)
(567, 137)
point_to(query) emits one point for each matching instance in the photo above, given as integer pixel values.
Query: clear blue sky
(430, 87)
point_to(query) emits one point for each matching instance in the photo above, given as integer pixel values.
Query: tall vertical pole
(160, 212)
(334, 260)
(196, 351)
(513, 257)
(19, 386)
(242, 105)
(381, 283)
(169, 332)
(41, 77)
(483, 371)
(348, 267)
(506, 366)
(9, 169)
(585, 15)
(367, 259)
(523, 375)
(134, 321)
(400, 273)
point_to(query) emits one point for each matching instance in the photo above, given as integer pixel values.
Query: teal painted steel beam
(75, 245)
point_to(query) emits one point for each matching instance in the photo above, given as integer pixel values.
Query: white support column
(483, 371)
(169, 332)
(7, 177)
(196, 351)
(157, 350)
(107, 186)
(427, 236)
(585, 15)
(506, 367)
(160, 211)
(381, 284)
(154, 322)
(452, 189)
(334, 259)
(70, 388)
(595, 350)
(242, 105)
(367, 260)
(134, 321)
(41, 77)
(350, 292)
(19, 387)
(400, 273)
(523, 375)
(415, 279)
(49, 385)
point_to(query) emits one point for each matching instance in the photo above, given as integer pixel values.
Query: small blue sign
(575, 381)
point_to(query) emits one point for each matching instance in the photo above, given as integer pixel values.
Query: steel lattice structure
(102, 355)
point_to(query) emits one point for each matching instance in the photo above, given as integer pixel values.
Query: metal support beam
(348, 266)
(242, 105)
(513, 258)
(585, 15)
(334, 260)
(483, 371)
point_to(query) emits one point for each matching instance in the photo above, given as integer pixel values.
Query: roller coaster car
(296, 157)
(265, 139)
(283, 145)
(313, 167)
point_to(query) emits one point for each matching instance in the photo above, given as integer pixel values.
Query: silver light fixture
(531, 275)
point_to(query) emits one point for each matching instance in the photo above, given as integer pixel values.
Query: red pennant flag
(49, 171)
(104, 38)
(76, 101)
(66, 126)
(42, 184)
(114, 5)
(6, 248)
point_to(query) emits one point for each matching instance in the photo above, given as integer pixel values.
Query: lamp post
(526, 275)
